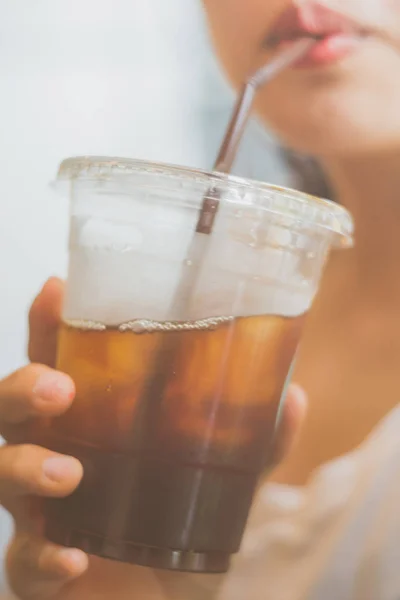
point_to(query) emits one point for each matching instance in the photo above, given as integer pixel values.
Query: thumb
(293, 413)
(44, 321)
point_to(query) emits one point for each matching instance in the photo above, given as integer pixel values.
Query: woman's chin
(337, 149)
(348, 111)
(336, 133)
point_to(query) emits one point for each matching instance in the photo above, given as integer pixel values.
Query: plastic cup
(175, 415)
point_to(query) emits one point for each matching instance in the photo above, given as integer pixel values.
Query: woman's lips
(327, 50)
(335, 37)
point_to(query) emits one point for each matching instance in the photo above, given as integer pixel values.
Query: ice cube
(252, 267)
(120, 271)
(96, 233)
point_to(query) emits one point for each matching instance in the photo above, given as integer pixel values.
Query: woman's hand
(37, 569)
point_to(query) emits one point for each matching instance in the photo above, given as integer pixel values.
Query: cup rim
(318, 212)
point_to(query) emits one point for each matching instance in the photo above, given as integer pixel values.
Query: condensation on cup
(177, 402)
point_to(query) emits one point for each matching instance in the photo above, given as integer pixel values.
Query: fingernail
(54, 387)
(59, 468)
(48, 282)
(74, 559)
(300, 395)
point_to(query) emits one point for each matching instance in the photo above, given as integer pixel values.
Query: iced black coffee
(175, 414)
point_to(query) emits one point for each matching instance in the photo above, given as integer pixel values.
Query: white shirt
(336, 539)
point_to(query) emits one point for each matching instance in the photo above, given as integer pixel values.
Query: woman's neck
(351, 347)
(369, 188)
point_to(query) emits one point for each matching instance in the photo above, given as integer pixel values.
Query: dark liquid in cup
(174, 423)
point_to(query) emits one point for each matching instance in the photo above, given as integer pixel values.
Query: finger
(34, 391)
(32, 470)
(293, 414)
(44, 320)
(38, 569)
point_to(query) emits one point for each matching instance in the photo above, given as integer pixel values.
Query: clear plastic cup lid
(280, 201)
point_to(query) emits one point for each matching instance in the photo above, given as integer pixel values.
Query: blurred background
(133, 78)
